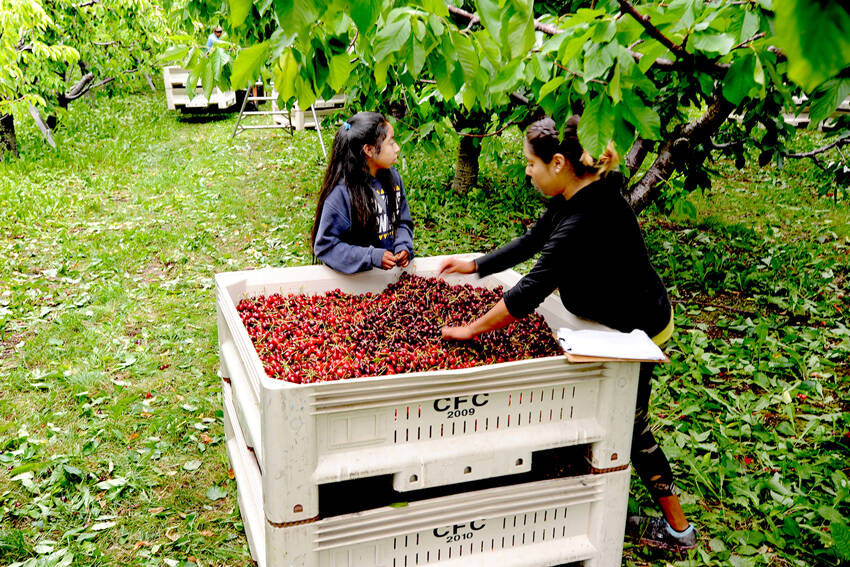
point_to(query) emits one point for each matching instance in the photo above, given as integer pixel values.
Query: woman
(592, 251)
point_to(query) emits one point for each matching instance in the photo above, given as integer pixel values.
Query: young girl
(362, 218)
(591, 249)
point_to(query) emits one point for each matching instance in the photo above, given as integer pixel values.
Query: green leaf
(597, 60)
(364, 13)
(111, 483)
(442, 75)
(507, 78)
(490, 14)
(815, 36)
(174, 53)
(304, 92)
(841, 536)
(652, 51)
(552, 85)
(468, 96)
(216, 492)
(339, 71)
(466, 55)
(293, 15)
(716, 43)
(247, 66)
(415, 57)
(645, 119)
(518, 31)
(827, 99)
(739, 81)
(830, 514)
(391, 38)
(239, 10)
(596, 127)
(285, 74)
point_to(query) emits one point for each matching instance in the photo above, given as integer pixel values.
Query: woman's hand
(457, 266)
(388, 260)
(457, 333)
(402, 258)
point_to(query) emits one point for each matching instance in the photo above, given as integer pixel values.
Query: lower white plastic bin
(536, 524)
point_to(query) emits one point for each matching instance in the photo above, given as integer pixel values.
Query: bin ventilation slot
(484, 536)
(487, 412)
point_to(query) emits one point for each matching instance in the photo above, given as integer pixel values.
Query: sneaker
(656, 532)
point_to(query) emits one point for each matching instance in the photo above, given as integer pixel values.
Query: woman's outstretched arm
(496, 318)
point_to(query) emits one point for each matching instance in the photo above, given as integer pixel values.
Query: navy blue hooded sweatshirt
(334, 242)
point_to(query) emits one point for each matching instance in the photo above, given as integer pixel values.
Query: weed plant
(111, 435)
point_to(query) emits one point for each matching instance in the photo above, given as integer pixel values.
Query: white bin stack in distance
(424, 430)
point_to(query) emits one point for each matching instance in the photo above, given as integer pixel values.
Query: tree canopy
(658, 79)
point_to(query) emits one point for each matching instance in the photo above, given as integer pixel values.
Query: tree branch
(638, 152)
(684, 58)
(749, 41)
(653, 31)
(88, 3)
(677, 149)
(836, 144)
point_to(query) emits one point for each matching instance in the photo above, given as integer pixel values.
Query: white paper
(634, 345)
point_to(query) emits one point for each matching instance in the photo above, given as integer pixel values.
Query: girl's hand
(457, 333)
(457, 266)
(388, 260)
(402, 258)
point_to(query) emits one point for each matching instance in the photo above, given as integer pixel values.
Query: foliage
(111, 434)
(19, 53)
(636, 71)
(54, 51)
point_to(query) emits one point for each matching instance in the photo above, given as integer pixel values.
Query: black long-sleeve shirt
(591, 249)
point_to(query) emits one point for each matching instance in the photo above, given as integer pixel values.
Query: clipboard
(604, 346)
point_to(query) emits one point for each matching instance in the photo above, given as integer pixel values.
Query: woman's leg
(649, 460)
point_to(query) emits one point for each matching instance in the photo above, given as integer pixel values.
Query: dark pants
(647, 457)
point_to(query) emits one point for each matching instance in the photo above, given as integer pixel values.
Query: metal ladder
(273, 126)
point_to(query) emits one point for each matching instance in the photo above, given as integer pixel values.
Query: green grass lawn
(111, 436)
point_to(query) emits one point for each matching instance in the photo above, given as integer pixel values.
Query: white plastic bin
(177, 94)
(426, 429)
(536, 524)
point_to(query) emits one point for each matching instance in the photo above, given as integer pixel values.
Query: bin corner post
(290, 454)
(291, 546)
(607, 524)
(618, 393)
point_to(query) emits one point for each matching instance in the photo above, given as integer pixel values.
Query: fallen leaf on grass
(216, 493)
(230, 474)
(146, 414)
(133, 436)
(206, 533)
(155, 511)
(206, 438)
(172, 535)
(140, 544)
(100, 526)
(192, 465)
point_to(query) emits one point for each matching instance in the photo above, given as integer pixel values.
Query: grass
(111, 437)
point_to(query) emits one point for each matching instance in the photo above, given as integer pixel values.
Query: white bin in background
(535, 524)
(407, 425)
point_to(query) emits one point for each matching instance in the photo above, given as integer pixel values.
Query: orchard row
(310, 338)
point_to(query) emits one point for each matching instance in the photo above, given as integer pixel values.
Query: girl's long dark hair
(348, 165)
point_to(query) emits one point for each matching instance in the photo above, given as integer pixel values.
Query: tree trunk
(8, 140)
(466, 167)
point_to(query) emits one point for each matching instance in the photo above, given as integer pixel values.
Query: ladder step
(255, 98)
(261, 126)
(264, 112)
